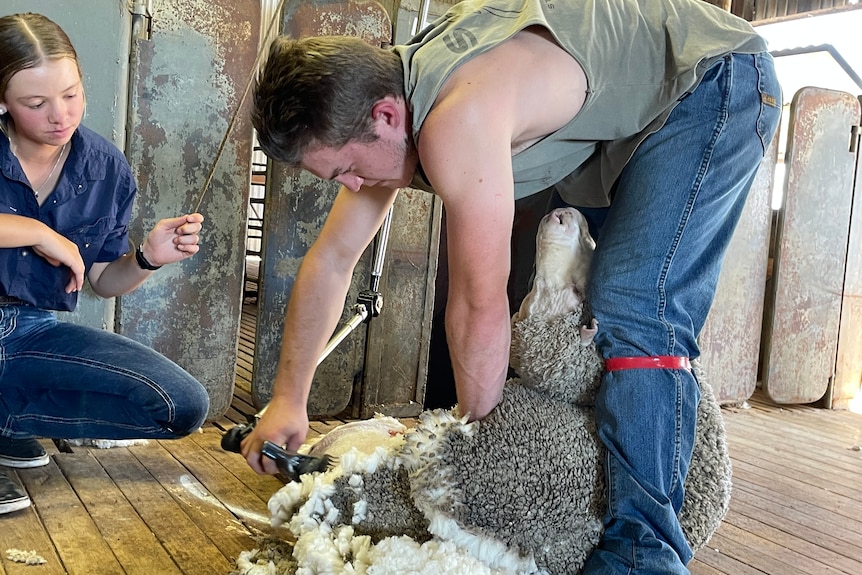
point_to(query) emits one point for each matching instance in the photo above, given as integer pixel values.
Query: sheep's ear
(588, 333)
(586, 240)
(524, 310)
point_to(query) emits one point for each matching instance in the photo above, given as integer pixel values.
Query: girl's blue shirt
(90, 206)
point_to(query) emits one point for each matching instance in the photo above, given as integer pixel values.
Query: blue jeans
(653, 279)
(63, 380)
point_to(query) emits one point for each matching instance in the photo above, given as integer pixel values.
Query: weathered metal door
(804, 304)
(730, 339)
(381, 368)
(188, 79)
(189, 62)
(848, 364)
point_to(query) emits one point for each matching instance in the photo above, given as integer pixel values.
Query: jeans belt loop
(648, 362)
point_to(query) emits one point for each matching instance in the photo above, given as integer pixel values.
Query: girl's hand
(58, 250)
(173, 239)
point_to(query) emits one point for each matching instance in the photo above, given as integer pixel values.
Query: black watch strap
(142, 261)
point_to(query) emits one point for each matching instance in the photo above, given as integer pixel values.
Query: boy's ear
(388, 111)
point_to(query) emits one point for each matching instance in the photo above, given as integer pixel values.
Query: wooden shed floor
(188, 507)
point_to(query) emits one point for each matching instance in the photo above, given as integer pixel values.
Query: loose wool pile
(520, 492)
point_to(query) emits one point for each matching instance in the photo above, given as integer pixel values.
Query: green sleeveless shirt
(639, 56)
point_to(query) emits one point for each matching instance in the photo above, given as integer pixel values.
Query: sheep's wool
(26, 557)
(538, 498)
(570, 372)
(358, 518)
(107, 443)
(517, 493)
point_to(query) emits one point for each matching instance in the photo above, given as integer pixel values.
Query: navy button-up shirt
(90, 206)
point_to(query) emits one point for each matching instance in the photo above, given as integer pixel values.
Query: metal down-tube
(380, 251)
(360, 313)
(422, 18)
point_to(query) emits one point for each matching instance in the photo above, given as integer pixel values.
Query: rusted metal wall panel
(296, 207)
(730, 339)
(188, 81)
(338, 18)
(848, 367)
(801, 330)
(397, 352)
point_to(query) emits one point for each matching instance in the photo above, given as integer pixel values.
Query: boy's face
(387, 162)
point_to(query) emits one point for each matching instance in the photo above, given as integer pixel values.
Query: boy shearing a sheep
(661, 110)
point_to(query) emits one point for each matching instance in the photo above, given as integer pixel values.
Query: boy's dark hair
(319, 91)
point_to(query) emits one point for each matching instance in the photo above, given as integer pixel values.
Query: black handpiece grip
(294, 465)
(231, 440)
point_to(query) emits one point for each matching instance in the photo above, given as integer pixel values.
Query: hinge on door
(855, 132)
(142, 19)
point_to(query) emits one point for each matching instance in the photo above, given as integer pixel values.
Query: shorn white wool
(323, 547)
(107, 443)
(26, 557)
(391, 556)
(339, 552)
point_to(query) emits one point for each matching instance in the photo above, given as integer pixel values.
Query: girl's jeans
(653, 279)
(63, 380)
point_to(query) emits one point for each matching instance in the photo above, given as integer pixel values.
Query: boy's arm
(466, 153)
(315, 306)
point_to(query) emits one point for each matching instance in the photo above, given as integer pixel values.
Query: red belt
(654, 362)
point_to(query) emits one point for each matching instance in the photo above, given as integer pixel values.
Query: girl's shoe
(22, 453)
(12, 497)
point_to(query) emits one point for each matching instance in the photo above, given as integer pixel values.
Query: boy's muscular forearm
(479, 348)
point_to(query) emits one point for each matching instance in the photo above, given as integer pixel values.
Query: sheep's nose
(558, 214)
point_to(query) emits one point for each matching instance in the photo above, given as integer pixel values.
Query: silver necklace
(51, 173)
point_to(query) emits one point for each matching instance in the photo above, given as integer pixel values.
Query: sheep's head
(564, 250)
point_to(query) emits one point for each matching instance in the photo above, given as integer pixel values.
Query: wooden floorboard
(795, 506)
(188, 507)
(181, 529)
(73, 532)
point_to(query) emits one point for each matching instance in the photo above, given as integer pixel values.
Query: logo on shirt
(459, 40)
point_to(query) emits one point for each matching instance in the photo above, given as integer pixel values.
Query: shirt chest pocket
(91, 237)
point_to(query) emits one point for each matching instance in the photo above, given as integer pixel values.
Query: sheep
(516, 493)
